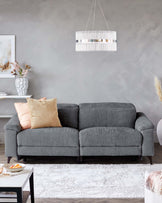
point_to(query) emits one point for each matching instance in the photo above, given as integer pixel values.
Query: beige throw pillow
(43, 113)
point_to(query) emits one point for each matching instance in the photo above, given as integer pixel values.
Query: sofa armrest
(142, 122)
(13, 124)
(145, 126)
(12, 128)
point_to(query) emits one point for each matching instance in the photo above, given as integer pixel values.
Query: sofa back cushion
(68, 115)
(106, 115)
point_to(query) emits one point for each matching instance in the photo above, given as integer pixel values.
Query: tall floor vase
(159, 131)
(21, 84)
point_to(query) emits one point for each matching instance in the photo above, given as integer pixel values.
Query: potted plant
(21, 81)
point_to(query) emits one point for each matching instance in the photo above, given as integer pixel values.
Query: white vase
(21, 84)
(159, 131)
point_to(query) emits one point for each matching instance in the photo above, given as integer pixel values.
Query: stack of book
(8, 197)
(3, 94)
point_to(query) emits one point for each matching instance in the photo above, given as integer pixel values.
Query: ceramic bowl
(15, 169)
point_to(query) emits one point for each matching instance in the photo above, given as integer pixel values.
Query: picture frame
(7, 54)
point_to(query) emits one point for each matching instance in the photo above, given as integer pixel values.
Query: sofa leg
(79, 159)
(141, 158)
(25, 159)
(150, 159)
(18, 158)
(9, 159)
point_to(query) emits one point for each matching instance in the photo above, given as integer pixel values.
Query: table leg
(19, 196)
(31, 181)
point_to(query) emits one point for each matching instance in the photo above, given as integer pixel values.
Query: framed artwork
(7, 54)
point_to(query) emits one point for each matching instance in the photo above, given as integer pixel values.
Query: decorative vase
(159, 131)
(21, 84)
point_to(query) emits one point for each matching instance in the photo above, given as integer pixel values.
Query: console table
(12, 97)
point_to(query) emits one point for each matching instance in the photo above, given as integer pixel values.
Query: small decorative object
(153, 187)
(96, 40)
(21, 84)
(21, 81)
(7, 55)
(15, 167)
(159, 93)
(1, 169)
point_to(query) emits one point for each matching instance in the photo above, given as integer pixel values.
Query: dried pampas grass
(158, 88)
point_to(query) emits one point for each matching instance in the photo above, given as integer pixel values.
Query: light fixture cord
(100, 7)
(90, 14)
(94, 15)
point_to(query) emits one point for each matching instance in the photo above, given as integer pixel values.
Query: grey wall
(45, 39)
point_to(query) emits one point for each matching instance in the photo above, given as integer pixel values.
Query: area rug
(90, 180)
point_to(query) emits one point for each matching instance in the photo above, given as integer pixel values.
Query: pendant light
(96, 40)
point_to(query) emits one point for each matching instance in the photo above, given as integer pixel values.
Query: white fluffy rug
(93, 181)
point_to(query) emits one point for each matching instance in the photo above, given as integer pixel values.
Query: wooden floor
(89, 201)
(89, 160)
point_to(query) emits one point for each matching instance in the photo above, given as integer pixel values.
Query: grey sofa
(89, 129)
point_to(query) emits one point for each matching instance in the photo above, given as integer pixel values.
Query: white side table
(17, 183)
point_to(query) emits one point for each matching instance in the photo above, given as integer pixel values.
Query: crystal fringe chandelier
(96, 40)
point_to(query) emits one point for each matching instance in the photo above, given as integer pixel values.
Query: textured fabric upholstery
(110, 136)
(68, 115)
(48, 151)
(148, 143)
(106, 115)
(11, 129)
(48, 137)
(142, 122)
(10, 143)
(107, 129)
(43, 113)
(13, 124)
(145, 126)
(110, 151)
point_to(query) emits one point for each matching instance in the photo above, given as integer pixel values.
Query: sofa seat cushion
(110, 136)
(48, 137)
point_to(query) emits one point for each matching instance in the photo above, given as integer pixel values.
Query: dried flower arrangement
(5, 67)
(158, 88)
(19, 71)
